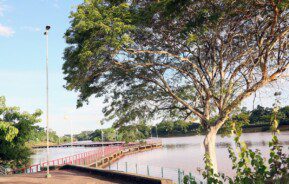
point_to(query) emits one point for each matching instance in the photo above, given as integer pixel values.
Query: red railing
(86, 158)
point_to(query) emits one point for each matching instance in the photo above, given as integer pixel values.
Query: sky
(22, 65)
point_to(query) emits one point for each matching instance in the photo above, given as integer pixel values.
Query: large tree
(175, 59)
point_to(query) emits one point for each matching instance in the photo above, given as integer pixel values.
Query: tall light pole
(102, 143)
(71, 135)
(47, 102)
(116, 139)
(157, 131)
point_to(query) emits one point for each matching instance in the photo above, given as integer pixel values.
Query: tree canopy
(185, 57)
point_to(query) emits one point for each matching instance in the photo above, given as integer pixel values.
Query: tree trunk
(210, 147)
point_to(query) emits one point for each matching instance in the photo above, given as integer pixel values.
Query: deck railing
(86, 158)
(176, 175)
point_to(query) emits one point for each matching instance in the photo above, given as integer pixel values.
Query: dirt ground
(58, 176)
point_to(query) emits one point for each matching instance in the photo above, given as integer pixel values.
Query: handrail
(86, 158)
(175, 174)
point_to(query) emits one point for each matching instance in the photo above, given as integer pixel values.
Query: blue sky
(22, 64)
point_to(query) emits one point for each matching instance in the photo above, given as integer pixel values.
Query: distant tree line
(39, 136)
(129, 133)
(246, 119)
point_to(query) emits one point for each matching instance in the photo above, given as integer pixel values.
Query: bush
(250, 166)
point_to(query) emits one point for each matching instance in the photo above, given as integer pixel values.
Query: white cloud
(6, 31)
(30, 28)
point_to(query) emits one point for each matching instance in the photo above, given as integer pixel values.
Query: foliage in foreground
(16, 129)
(250, 166)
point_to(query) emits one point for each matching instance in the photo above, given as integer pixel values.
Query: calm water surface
(181, 152)
(187, 152)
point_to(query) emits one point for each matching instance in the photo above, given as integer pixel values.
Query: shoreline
(253, 129)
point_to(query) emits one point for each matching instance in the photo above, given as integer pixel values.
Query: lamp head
(47, 28)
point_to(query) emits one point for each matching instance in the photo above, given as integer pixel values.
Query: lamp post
(47, 28)
(116, 139)
(157, 131)
(102, 144)
(71, 135)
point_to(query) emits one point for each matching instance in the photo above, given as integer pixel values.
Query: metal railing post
(162, 172)
(126, 167)
(136, 168)
(179, 176)
(117, 166)
(148, 170)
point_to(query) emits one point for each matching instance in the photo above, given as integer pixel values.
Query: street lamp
(102, 143)
(47, 28)
(116, 139)
(157, 131)
(102, 146)
(71, 135)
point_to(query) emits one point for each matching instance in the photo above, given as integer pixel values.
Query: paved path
(59, 176)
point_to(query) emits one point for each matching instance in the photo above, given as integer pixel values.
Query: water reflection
(179, 146)
(187, 152)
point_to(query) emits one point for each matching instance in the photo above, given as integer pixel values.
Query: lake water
(185, 153)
